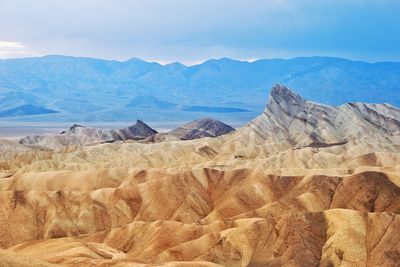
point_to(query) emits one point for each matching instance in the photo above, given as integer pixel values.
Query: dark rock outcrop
(205, 127)
(139, 130)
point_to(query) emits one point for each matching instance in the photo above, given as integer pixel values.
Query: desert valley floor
(303, 184)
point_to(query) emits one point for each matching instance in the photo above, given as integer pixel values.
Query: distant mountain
(214, 109)
(26, 110)
(14, 99)
(87, 89)
(150, 102)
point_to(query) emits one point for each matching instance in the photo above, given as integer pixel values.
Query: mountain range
(71, 89)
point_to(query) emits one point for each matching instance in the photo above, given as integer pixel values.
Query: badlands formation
(78, 135)
(303, 184)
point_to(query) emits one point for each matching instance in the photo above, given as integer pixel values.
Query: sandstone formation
(303, 184)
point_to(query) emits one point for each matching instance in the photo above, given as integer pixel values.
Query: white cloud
(11, 45)
(14, 49)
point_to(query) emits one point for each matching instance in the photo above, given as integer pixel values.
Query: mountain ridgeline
(70, 89)
(78, 135)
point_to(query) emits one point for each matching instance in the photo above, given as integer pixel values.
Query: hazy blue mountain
(26, 110)
(209, 109)
(87, 89)
(15, 98)
(150, 102)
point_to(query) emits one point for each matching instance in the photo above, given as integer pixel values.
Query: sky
(192, 31)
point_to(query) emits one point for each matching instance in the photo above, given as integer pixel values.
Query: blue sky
(191, 31)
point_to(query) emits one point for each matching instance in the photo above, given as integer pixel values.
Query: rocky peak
(283, 99)
(140, 123)
(205, 127)
(137, 131)
(216, 127)
(280, 93)
(73, 127)
(290, 118)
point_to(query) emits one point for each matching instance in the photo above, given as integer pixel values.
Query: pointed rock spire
(283, 99)
(139, 130)
(281, 93)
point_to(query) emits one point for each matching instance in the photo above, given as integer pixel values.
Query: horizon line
(163, 63)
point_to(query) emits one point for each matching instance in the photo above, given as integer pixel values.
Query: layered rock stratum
(303, 184)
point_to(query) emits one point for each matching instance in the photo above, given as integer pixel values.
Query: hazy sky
(194, 30)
